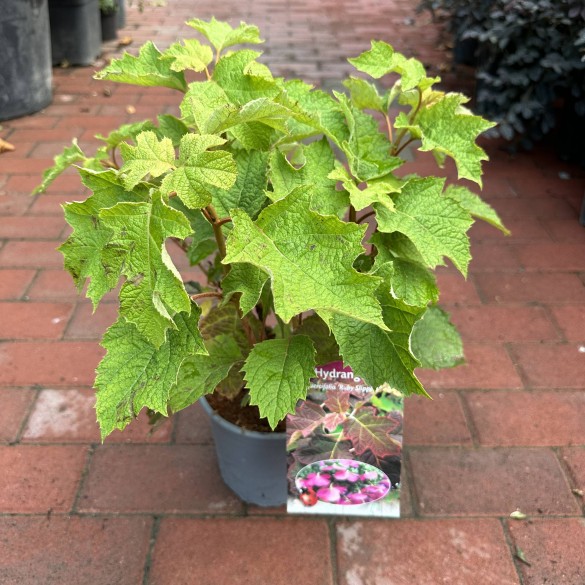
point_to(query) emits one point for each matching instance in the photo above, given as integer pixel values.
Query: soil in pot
(246, 417)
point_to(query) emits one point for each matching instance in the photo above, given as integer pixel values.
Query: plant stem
(409, 141)
(398, 146)
(352, 214)
(216, 225)
(365, 216)
(389, 126)
(205, 295)
(224, 220)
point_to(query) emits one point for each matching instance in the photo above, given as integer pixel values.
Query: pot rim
(272, 436)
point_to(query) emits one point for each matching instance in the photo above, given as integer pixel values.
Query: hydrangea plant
(269, 186)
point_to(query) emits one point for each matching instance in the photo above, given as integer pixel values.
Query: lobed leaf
(69, 156)
(450, 129)
(149, 157)
(189, 55)
(368, 431)
(147, 69)
(153, 291)
(308, 256)
(246, 279)
(135, 375)
(277, 373)
(436, 225)
(221, 35)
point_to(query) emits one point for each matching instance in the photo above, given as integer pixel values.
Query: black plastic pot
(75, 31)
(25, 66)
(109, 25)
(121, 14)
(252, 464)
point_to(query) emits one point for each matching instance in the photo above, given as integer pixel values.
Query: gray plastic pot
(252, 464)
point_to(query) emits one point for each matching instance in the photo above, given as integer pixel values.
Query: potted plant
(269, 187)
(108, 14)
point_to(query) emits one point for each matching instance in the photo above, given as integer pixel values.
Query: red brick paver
(505, 431)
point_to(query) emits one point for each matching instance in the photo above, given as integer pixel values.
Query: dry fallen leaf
(6, 146)
(125, 41)
(518, 515)
(520, 556)
(130, 109)
(578, 492)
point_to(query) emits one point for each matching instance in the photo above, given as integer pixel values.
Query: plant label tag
(344, 445)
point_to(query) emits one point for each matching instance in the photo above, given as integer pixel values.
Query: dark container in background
(25, 66)
(76, 33)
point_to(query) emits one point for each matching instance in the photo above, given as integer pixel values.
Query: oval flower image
(343, 482)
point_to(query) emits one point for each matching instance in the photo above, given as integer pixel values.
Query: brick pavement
(505, 431)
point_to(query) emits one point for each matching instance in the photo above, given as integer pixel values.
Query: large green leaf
(447, 128)
(277, 373)
(379, 356)
(149, 157)
(435, 224)
(189, 55)
(135, 375)
(247, 192)
(205, 106)
(147, 69)
(309, 258)
(436, 341)
(476, 206)
(319, 162)
(88, 252)
(153, 291)
(221, 35)
(233, 73)
(198, 169)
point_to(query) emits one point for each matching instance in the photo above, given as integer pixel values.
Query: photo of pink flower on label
(344, 482)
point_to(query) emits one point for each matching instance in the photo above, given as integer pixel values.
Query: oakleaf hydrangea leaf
(206, 106)
(221, 35)
(319, 162)
(190, 55)
(246, 279)
(435, 224)
(153, 291)
(148, 69)
(379, 356)
(202, 374)
(135, 375)
(364, 95)
(370, 432)
(308, 256)
(381, 59)
(448, 128)
(325, 114)
(475, 205)
(149, 157)
(367, 150)
(241, 87)
(375, 191)
(70, 155)
(277, 374)
(247, 192)
(436, 341)
(197, 169)
(88, 252)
